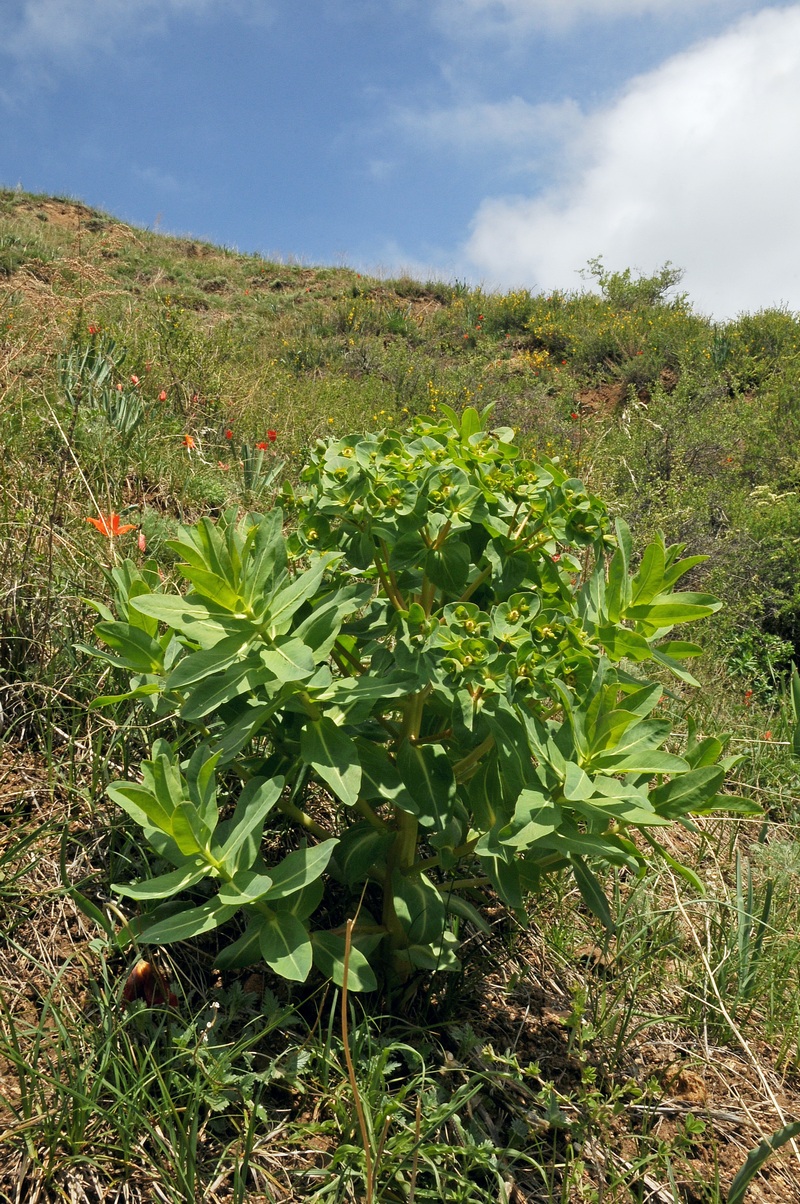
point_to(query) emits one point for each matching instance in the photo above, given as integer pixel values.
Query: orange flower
(189, 443)
(134, 380)
(162, 395)
(110, 527)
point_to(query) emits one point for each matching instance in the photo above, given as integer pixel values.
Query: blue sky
(504, 142)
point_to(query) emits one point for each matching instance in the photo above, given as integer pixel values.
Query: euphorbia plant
(437, 677)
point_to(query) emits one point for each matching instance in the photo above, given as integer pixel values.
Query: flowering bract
(447, 699)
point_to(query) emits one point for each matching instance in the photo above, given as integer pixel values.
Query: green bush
(447, 700)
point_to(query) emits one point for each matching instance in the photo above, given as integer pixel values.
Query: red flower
(94, 329)
(262, 446)
(272, 436)
(574, 416)
(229, 433)
(110, 527)
(162, 395)
(134, 380)
(767, 735)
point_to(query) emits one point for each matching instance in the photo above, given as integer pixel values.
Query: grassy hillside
(162, 379)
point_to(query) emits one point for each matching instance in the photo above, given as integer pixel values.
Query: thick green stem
(363, 807)
(462, 767)
(392, 593)
(304, 820)
(401, 857)
(479, 580)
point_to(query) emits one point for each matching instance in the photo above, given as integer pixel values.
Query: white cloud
(154, 178)
(697, 162)
(508, 124)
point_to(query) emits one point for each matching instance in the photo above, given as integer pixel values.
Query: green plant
(448, 669)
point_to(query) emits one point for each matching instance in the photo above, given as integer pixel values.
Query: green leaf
(242, 834)
(289, 598)
(649, 580)
(449, 567)
(618, 586)
(511, 740)
(642, 760)
(139, 651)
(215, 588)
(429, 781)
(592, 893)
(141, 804)
(243, 952)
(189, 923)
(202, 782)
(682, 870)
(679, 649)
(302, 903)
(289, 659)
(577, 784)
(436, 956)
(164, 885)
(299, 868)
(329, 959)
(419, 907)
(334, 756)
(621, 642)
(190, 833)
(320, 629)
(207, 625)
(213, 692)
(247, 886)
(668, 609)
(199, 665)
(686, 793)
(535, 816)
(505, 879)
(455, 905)
(286, 946)
(756, 1159)
(359, 848)
(380, 777)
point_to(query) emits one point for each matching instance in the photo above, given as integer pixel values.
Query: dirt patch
(603, 399)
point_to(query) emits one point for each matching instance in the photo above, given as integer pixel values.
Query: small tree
(436, 677)
(625, 292)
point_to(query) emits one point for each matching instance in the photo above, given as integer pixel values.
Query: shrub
(446, 699)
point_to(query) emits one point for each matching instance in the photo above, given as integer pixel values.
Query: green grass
(561, 1065)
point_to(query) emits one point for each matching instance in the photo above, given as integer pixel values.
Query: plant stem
(305, 821)
(466, 763)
